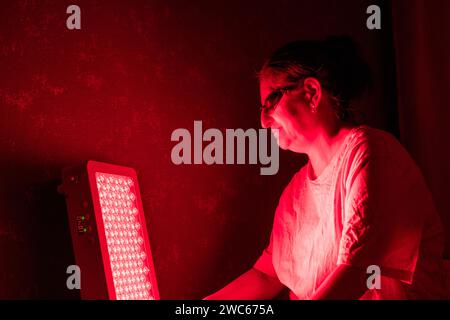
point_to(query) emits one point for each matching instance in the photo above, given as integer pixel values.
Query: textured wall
(115, 90)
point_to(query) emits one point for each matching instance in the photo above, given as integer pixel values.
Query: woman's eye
(274, 97)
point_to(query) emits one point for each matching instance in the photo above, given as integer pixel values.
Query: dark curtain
(422, 48)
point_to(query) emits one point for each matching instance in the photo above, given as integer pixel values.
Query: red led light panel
(109, 229)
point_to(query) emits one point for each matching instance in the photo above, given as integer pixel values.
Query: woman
(359, 202)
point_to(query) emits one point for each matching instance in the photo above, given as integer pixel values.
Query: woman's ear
(313, 91)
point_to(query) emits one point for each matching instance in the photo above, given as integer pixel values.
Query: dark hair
(335, 62)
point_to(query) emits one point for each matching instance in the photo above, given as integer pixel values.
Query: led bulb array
(124, 237)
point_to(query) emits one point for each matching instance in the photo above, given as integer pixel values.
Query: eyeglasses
(274, 98)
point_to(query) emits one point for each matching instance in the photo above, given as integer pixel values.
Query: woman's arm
(344, 283)
(252, 285)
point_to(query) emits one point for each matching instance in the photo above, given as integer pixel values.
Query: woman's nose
(266, 119)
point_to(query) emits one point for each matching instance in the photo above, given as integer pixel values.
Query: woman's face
(292, 116)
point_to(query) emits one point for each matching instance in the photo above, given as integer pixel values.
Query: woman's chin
(283, 144)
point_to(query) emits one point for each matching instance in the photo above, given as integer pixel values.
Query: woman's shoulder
(379, 148)
(375, 142)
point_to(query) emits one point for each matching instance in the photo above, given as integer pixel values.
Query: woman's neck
(325, 147)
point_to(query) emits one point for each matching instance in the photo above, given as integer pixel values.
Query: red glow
(124, 237)
(122, 233)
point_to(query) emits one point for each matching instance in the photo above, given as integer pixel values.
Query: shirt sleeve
(383, 216)
(264, 262)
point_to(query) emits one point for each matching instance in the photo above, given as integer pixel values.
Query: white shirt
(370, 206)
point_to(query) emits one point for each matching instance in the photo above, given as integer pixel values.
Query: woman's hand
(344, 283)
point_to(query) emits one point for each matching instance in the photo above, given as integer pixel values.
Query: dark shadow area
(35, 236)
